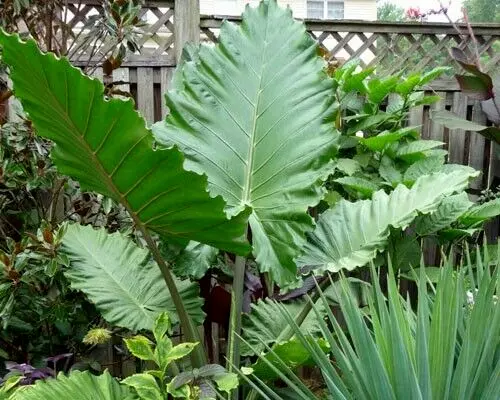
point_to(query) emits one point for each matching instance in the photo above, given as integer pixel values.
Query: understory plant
(247, 150)
(446, 346)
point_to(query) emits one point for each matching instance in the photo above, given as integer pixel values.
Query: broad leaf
(416, 150)
(481, 212)
(194, 261)
(358, 185)
(425, 166)
(264, 324)
(140, 347)
(450, 209)
(121, 280)
(104, 144)
(351, 234)
(347, 165)
(475, 87)
(145, 386)
(75, 386)
(389, 171)
(255, 113)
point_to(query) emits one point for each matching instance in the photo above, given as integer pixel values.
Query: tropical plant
(377, 149)
(77, 386)
(122, 281)
(448, 348)
(255, 113)
(194, 384)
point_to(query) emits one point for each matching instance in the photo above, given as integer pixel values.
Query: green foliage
(39, 313)
(76, 386)
(350, 234)
(447, 348)
(482, 10)
(114, 156)
(375, 138)
(154, 384)
(390, 12)
(255, 114)
(121, 280)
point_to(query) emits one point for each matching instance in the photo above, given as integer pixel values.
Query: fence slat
(165, 78)
(122, 75)
(457, 136)
(416, 117)
(145, 97)
(477, 145)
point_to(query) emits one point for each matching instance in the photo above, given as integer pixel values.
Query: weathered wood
(122, 75)
(416, 117)
(187, 27)
(457, 136)
(436, 131)
(438, 28)
(477, 145)
(145, 99)
(165, 78)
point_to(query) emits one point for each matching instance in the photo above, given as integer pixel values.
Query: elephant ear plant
(256, 114)
(105, 145)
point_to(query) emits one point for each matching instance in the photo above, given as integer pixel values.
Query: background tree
(390, 12)
(483, 10)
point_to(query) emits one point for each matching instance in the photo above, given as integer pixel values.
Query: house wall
(360, 9)
(353, 9)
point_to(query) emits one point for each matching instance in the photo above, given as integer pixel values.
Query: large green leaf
(351, 234)
(264, 324)
(450, 209)
(75, 386)
(104, 144)
(194, 261)
(254, 114)
(481, 212)
(121, 280)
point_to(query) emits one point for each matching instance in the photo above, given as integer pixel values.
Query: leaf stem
(235, 316)
(198, 357)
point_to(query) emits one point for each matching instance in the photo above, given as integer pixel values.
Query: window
(324, 9)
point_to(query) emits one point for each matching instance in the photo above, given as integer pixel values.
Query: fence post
(186, 24)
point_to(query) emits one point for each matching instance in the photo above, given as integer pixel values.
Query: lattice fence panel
(391, 48)
(155, 39)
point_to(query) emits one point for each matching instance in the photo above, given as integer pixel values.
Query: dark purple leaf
(207, 391)
(211, 370)
(181, 379)
(491, 107)
(476, 87)
(460, 57)
(58, 357)
(306, 287)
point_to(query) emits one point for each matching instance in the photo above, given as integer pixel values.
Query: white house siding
(236, 7)
(353, 9)
(360, 9)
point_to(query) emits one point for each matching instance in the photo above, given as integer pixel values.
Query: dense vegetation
(296, 183)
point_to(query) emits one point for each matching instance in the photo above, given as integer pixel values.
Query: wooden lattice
(155, 39)
(391, 47)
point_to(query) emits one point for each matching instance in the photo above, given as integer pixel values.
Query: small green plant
(156, 384)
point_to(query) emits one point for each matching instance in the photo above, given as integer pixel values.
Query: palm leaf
(253, 114)
(75, 386)
(105, 145)
(351, 234)
(121, 280)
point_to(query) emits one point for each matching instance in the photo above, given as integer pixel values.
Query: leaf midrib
(249, 170)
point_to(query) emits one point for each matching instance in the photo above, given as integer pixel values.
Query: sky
(425, 5)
